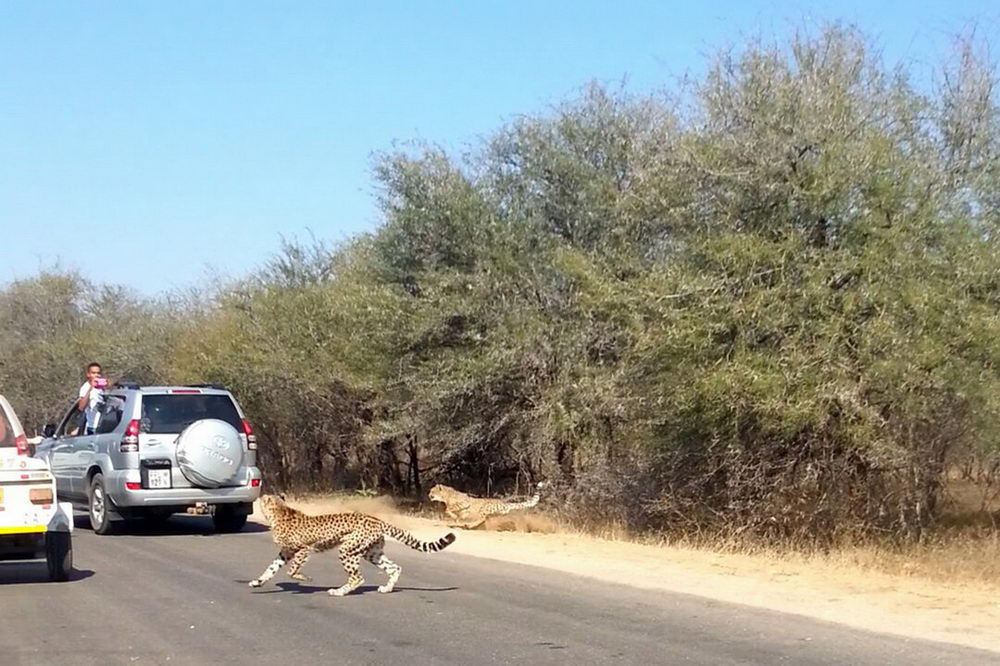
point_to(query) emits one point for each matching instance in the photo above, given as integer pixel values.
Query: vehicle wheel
(59, 555)
(227, 519)
(100, 520)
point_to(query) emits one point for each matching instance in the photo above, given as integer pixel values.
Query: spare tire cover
(209, 452)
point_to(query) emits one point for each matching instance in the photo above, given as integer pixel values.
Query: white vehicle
(32, 523)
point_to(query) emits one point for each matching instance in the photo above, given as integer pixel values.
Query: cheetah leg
(460, 518)
(378, 558)
(472, 524)
(297, 562)
(350, 558)
(283, 556)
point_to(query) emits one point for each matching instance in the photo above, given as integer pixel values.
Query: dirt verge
(835, 591)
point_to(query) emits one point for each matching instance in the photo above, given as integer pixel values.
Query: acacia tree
(52, 325)
(762, 306)
(767, 310)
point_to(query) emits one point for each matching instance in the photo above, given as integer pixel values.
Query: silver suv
(156, 451)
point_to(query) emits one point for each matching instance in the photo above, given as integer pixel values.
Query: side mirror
(48, 430)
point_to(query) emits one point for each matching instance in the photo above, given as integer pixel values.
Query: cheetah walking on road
(358, 535)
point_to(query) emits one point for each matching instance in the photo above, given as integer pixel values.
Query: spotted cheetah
(471, 512)
(358, 535)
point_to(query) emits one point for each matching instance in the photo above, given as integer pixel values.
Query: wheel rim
(97, 505)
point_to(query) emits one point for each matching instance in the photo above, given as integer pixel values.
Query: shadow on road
(298, 588)
(177, 525)
(16, 572)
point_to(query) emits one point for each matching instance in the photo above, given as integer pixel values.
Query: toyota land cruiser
(156, 451)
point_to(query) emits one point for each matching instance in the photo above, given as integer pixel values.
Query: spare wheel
(209, 453)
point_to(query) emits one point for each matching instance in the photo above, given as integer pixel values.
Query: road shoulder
(904, 606)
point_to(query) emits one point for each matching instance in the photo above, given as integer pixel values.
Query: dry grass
(964, 546)
(524, 522)
(944, 589)
(319, 503)
(951, 555)
(963, 549)
(960, 558)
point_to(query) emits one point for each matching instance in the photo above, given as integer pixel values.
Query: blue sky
(155, 144)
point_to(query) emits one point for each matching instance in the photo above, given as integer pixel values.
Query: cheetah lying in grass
(357, 534)
(471, 512)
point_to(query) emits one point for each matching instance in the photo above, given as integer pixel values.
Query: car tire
(59, 555)
(228, 519)
(97, 506)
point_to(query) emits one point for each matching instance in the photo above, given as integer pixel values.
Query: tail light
(251, 438)
(133, 485)
(21, 442)
(40, 495)
(130, 442)
(255, 483)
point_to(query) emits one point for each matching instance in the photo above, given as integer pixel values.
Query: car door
(88, 448)
(62, 454)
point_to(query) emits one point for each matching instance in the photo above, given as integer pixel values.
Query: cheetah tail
(416, 544)
(528, 503)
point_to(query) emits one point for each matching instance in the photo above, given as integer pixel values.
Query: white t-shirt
(93, 415)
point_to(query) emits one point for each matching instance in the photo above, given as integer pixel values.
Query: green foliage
(770, 313)
(764, 307)
(53, 325)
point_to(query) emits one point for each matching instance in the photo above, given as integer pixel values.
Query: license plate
(159, 478)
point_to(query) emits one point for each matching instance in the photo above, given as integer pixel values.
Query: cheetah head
(440, 493)
(269, 504)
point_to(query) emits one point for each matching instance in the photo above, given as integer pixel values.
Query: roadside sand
(902, 605)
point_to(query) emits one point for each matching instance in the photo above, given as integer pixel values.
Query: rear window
(170, 414)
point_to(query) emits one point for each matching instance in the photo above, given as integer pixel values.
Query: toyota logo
(221, 443)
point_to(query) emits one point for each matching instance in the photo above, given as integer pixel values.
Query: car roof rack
(126, 385)
(209, 386)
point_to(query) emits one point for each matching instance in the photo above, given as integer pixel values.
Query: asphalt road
(179, 595)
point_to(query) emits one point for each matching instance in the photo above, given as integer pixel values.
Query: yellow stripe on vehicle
(23, 530)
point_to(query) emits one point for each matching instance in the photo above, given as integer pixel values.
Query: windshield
(170, 414)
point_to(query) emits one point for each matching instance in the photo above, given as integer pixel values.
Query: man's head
(93, 371)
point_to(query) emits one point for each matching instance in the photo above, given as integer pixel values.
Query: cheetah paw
(338, 591)
(385, 589)
(304, 579)
(255, 583)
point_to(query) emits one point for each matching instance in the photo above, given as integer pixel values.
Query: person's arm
(81, 404)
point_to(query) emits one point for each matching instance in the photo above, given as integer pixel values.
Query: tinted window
(73, 424)
(111, 414)
(170, 414)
